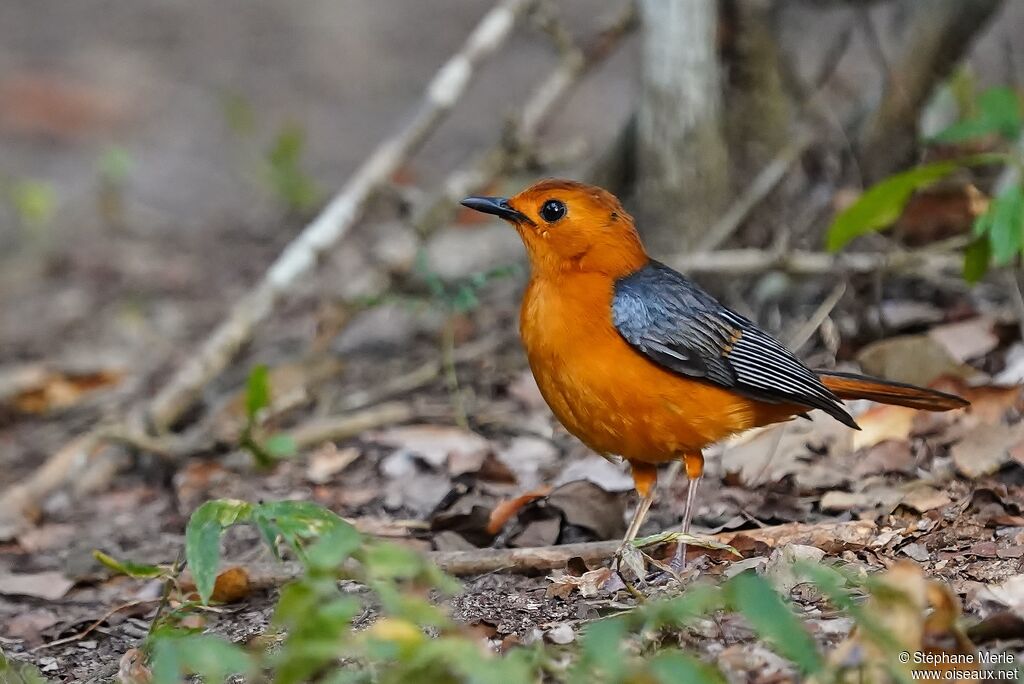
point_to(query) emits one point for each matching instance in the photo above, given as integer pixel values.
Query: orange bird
(635, 359)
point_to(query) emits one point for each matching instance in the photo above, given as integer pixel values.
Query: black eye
(552, 210)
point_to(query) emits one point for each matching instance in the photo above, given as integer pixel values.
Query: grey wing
(678, 325)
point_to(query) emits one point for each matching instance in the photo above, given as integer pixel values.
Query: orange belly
(610, 396)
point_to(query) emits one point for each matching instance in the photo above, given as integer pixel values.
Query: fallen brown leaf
(55, 390)
(917, 359)
(436, 444)
(966, 340)
(507, 508)
(49, 586)
(232, 585)
(328, 461)
(881, 423)
(588, 584)
(986, 449)
(923, 499)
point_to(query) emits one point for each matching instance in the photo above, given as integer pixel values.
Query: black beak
(497, 206)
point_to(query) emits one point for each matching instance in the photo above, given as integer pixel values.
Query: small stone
(917, 552)
(561, 634)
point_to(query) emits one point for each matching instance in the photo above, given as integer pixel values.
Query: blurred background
(157, 157)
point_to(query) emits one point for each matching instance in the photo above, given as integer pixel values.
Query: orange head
(570, 227)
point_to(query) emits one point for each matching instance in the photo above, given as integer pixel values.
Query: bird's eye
(552, 210)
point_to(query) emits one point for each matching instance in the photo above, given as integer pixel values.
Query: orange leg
(645, 477)
(694, 464)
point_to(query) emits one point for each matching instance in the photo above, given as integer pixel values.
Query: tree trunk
(682, 161)
(938, 35)
(759, 111)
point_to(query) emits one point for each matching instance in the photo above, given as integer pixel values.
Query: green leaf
(999, 113)
(679, 537)
(601, 646)
(280, 445)
(977, 256)
(331, 550)
(211, 657)
(881, 205)
(295, 521)
(385, 561)
(773, 620)
(202, 539)
(672, 666)
(115, 165)
(14, 672)
(1004, 225)
(681, 610)
(34, 201)
(132, 569)
(257, 391)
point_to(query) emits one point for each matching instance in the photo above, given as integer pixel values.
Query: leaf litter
(941, 491)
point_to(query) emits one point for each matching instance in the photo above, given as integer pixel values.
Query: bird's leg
(645, 477)
(694, 464)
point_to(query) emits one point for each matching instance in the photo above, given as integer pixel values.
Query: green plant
(266, 450)
(279, 167)
(998, 232)
(34, 203)
(13, 672)
(284, 174)
(384, 622)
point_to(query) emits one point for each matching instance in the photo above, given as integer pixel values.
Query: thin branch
(297, 259)
(832, 537)
(762, 185)
(524, 128)
(337, 218)
(746, 261)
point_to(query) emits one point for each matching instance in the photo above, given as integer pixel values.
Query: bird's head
(570, 226)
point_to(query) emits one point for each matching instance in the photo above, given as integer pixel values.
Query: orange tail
(850, 386)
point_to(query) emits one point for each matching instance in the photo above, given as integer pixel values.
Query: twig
(419, 377)
(337, 217)
(800, 337)
(78, 636)
(766, 181)
(746, 261)
(833, 537)
(1012, 279)
(299, 257)
(937, 35)
(539, 106)
(335, 428)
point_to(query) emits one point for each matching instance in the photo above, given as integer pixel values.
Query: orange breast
(610, 396)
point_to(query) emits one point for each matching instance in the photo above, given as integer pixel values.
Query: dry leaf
(881, 423)
(781, 570)
(1008, 593)
(966, 340)
(588, 584)
(923, 499)
(508, 508)
(920, 615)
(132, 668)
(888, 456)
(49, 586)
(435, 444)
(917, 359)
(231, 586)
(611, 477)
(836, 500)
(986, 449)
(54, 390)
(328, 461)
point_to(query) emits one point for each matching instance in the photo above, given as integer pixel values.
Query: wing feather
(671, 320)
